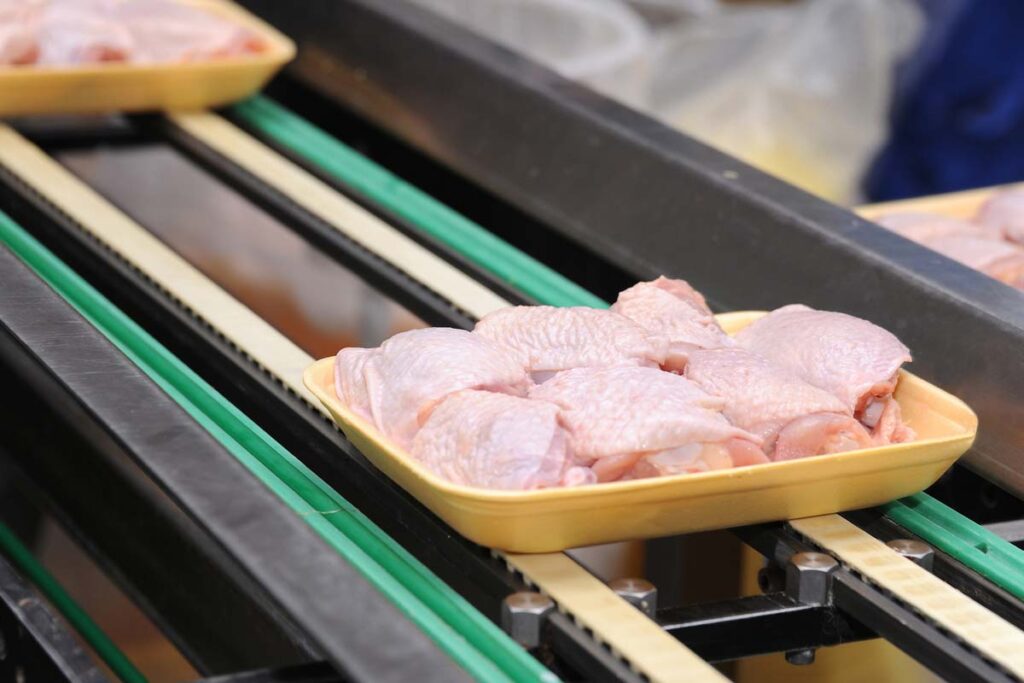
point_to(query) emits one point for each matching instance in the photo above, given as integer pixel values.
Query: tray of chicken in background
(98, 56)
(550, 428)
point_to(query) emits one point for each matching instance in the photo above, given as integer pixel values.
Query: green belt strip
(994, 558)
(461, 631)
(91, 633)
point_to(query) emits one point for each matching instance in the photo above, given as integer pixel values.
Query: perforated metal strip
(625, 630)
(982, 630)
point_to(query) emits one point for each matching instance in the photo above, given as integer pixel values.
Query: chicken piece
(497, 441)
(920, 227)
(619, 418)
(547, 340)
(168, 31)
(851, 358)
(885, 420)
(82, 32)
(1004, 213)
(675, 310)
(793, 418)
(398, 384)
(997, 259)
(19, 32)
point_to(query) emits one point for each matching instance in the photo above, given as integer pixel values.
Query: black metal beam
(316, 672)
(301, 583)
(649, 200)
(34, 643)
(757, 625)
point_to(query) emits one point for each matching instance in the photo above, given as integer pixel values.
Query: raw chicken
(73, 32)
(1004, 213)
(851, 358)
(793, 418)
(1000, 260)
(82, 32)
(547, 340)
(167, 31)
(634, 421)
(920, 227)
(498, 441)
(677, 311)
(398, 384)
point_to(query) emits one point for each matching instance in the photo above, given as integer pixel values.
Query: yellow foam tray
(102, 88)
(555, 519)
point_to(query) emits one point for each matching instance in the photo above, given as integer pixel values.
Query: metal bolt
(916, 551)
(771, 579)
(808, 577)
(640, 593)
(522, 617)
(800, 657)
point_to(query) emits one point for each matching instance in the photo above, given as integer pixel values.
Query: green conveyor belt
(79, 619)
(996, 559)
(461, 631)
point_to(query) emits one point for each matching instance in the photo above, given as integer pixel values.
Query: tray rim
(735, 479)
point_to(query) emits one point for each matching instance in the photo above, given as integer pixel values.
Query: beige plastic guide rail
(627, 631)
(986, 632)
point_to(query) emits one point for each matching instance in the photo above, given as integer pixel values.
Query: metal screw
(808, 577)
(522, 616)
(640, 593)
(915, 551)
(800, 657)
(771, 579)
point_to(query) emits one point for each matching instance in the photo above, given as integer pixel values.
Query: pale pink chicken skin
(794, 419)
(920, 227)
(1004, 213)
(497, 441)
(620, 418)
(398, 384)
(673, 309)
(546, 339)
(76, 32)
(997, 259)
(849, 357)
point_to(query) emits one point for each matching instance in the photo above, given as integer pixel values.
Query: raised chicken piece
(995, 258)
(618, 417)
(497, 441)
(397, 384)
(547, 340)
(170, 31)
(851, 358)
(1004, 213)
(919, 227)
(673, 309)
(74, 32)
(793, 418)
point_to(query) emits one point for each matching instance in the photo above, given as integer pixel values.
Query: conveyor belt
(650, 650)
(593, 605)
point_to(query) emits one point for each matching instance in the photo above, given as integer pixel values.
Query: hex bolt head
(640, 593)
(917, 552)
(800, 657)
(808, 577)
(522, 616)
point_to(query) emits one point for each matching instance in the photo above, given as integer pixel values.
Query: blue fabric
(958, 114)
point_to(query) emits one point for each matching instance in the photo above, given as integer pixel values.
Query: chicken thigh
(795, 419)
(398, 384)
(497, 441)
(924, 226)
(547, 340)
(1004, 213)
(675, 310)
(851, 358)
(634, 421)
(995, 258)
